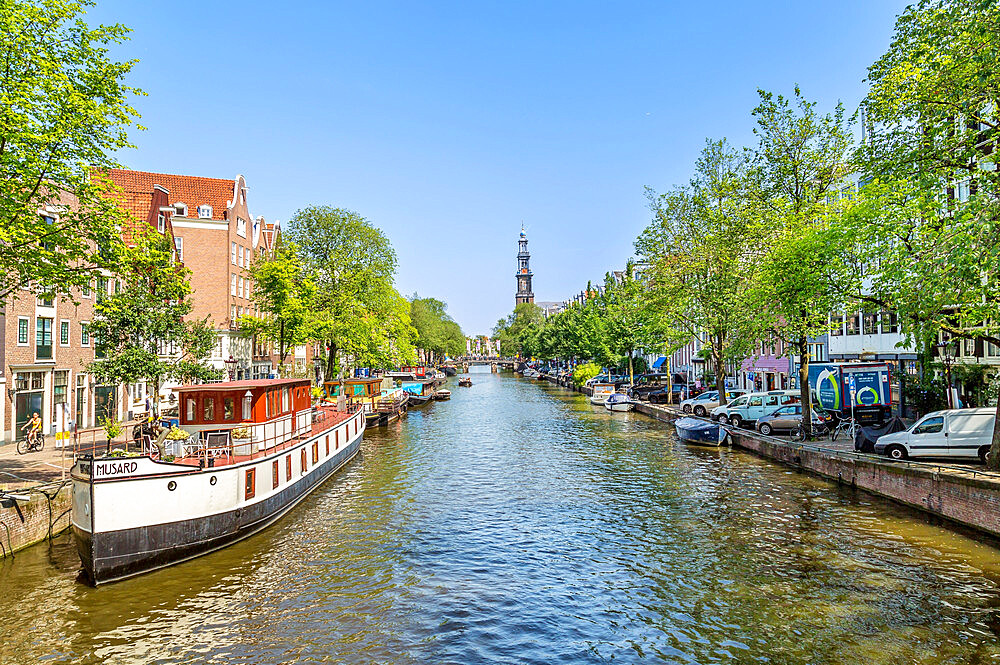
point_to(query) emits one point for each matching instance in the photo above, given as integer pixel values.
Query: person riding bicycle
(35, 425)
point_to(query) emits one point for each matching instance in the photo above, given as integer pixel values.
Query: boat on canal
(465, 382)
(619, 402)
(377, 397)
(697, 431)
(442, 395)
(601, 392)
(254, 449)
(418, 393)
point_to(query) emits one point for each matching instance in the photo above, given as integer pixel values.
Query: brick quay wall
(46, 514)
(965, 495)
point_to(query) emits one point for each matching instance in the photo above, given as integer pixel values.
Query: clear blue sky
(447, 124)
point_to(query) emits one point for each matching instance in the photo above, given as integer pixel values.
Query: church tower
(524, 293)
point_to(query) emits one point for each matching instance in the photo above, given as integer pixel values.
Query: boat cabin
(265, 412)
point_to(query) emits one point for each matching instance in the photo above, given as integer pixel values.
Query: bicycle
(848, 426)
(32, 442)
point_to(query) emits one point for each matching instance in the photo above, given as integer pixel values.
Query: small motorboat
(698, 431)
(601, 392)
(442, 395)
(419, 400)
(619, 402)
(465, 382)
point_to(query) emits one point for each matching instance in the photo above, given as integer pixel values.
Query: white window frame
(232, 285)
(241, 227)
(233, 254)
(27, 328)
(182, 209)
(204, 211)
(161, 223)
(84, 330)
(69, 333)
(179, 247)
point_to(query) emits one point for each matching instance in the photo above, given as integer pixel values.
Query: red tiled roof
(188, 189)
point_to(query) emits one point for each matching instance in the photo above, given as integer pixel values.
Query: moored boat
(378, 398)
(442, 395)
(254, 450)
(465, 382)
(418, 393)
(696, 430)
(601, 392)
(619, 402)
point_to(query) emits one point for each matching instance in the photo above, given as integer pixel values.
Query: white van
(748, 408)
(952, 433)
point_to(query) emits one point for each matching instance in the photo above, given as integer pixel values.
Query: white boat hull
(620, 406)
(135, 515)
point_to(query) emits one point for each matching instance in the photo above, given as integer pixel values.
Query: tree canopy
(65, 110)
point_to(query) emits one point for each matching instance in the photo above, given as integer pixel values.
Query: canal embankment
(968, 496)
(31, 514)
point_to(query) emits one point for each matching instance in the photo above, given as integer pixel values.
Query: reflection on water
(519, 524)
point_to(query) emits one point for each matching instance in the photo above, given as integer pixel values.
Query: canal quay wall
(964, 495)
(46, 514)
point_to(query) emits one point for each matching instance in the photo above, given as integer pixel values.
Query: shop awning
(659, 362)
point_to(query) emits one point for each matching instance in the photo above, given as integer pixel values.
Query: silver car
(707, 401)
(788, 418)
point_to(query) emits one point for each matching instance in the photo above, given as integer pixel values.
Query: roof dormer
(204, 211)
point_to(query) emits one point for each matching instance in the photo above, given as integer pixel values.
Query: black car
(680, 391)
(646, 384)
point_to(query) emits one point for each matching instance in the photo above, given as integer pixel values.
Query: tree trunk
(282, 349)
(720, 378)
(804, 394)
(330, 361)
(993, 459)
(631, 376)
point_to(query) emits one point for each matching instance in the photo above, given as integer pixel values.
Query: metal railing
(217, 444)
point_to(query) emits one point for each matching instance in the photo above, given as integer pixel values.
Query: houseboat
(379, 398)
(253, 450)
(418, 393)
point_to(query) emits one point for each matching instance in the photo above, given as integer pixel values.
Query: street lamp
(230, 366)
(317, 360)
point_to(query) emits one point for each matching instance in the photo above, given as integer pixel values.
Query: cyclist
(34, 427)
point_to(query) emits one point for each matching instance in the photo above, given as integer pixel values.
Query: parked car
(680, 392)
(788, 418)
(747, 409)
(706, 401)
(643, 384)
(951, 433)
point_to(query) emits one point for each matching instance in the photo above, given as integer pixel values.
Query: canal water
(519, 524)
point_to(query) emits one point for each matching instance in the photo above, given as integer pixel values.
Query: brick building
(216, 238)
(47, 344)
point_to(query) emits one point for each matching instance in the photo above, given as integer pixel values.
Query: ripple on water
(519, 524)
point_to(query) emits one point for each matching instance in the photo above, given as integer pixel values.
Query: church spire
(523, 275)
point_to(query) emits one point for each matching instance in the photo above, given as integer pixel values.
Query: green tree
(437, 332)
(931, 124)
(703, 246)
(801, 159)
(64, 111)
(140, 332)
(284, 295)
(357, 311)
(517, 332)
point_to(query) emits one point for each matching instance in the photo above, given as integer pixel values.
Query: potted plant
(242, 443)
(176, 436)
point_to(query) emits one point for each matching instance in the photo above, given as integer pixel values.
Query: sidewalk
(47, 465)
(33, 468)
